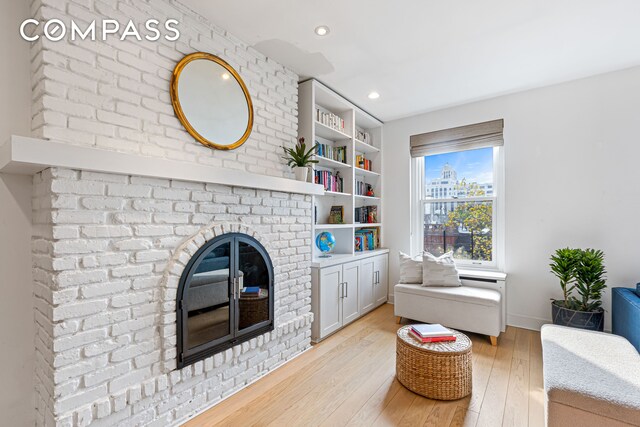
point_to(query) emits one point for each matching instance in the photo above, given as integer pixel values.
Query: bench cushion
(591, 371)
(467, 294)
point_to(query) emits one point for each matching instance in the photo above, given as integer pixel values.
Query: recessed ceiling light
(322, 30)
(374, 95)
(226, 76)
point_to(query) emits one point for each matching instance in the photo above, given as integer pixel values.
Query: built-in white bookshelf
(329, 119)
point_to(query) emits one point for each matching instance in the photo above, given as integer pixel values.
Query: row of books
(366, 239)
(366, 215)
(431, 333)
(329, 119)
(363, 163)
(330, 181)
(363, 136)
(338, 154)
(364, 189)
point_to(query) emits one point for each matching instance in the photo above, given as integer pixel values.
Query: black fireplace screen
(225, 297)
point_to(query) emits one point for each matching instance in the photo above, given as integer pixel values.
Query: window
(457, 189)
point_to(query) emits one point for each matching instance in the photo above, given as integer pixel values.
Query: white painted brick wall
(108, 252)
(115, 95)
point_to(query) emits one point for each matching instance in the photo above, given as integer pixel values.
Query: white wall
(16, 313)
(572, 154)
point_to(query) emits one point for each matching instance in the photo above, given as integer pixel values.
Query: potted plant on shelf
(581, 271)
(299, 158)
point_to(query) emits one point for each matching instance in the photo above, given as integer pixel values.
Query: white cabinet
(342, 292)
(381, 278)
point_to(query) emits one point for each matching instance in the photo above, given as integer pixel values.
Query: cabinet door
(350, 277)
(365, 291)
(330, 299)
(381, 276)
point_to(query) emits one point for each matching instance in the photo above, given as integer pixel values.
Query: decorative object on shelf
(211, 101)
(358, 244)
(300, 158)
(329, 119)
(363, 163)
(325, 242)
(336, 215)
(582, 271)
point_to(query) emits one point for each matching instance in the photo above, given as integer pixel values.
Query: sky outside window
(474, 165)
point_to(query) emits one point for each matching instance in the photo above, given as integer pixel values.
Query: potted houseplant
(299, 158)
(582, 272)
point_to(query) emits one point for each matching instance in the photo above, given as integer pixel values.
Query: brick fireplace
(109, 251)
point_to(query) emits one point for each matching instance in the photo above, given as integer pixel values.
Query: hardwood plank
(464, 418)
(418, 412)
(493, 404)
(442, 414)
(376, 404)
(536, 383)
(396, 409)
(517, 404)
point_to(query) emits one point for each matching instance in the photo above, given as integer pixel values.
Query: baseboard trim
(526, 322)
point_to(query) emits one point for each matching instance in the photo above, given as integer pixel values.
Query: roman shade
(469, 137)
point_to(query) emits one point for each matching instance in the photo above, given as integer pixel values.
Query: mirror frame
(175, 100)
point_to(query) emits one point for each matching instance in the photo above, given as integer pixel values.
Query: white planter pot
(301, 174)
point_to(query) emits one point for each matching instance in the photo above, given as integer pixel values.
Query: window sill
(481, 274)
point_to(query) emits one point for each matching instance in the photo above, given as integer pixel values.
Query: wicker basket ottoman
(435, 370)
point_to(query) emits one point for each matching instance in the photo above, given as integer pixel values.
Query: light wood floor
(349, 379)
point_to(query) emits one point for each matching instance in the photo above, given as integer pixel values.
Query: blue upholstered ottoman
(625, 314)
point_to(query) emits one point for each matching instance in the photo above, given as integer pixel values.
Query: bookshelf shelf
(336, 193)
(363, 147)
(330, 163)
(364, 172)
(357, 196)
(330, 133)
(317, 105)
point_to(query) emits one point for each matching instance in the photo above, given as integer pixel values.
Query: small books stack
(431, 333)
(251, 292)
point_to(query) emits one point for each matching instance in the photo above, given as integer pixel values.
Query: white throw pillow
(439, 271)
(410, 269)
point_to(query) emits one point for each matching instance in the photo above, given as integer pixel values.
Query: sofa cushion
(467, 294)
(439, 271)
(592, 371)
(410, 269)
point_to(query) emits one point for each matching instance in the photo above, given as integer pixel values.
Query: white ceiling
(422, 55)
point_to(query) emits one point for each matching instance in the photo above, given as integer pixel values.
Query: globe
(325, 242)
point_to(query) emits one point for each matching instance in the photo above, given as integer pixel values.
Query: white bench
(590, 378)
(477, 306)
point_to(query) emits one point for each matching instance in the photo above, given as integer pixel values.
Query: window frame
(419, 201)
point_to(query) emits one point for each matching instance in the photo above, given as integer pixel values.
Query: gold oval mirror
(211, 101)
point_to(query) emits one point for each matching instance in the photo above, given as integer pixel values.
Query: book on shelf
(358, 244)
(339, 154)
(336, 215)
(424, 340)
(364, 189)
(330, 181)
(329, 119)
(431, 330)
(363, 163)
(370, 238)
(366, 215)
(363, 136)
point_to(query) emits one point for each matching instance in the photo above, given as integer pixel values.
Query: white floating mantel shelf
(28, 156)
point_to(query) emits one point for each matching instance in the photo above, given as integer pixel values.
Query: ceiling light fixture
(322, 30)
(374, 95)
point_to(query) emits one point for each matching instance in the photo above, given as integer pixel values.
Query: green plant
(582, 271)
(590, 280)
(299, 156)
(563, 264)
